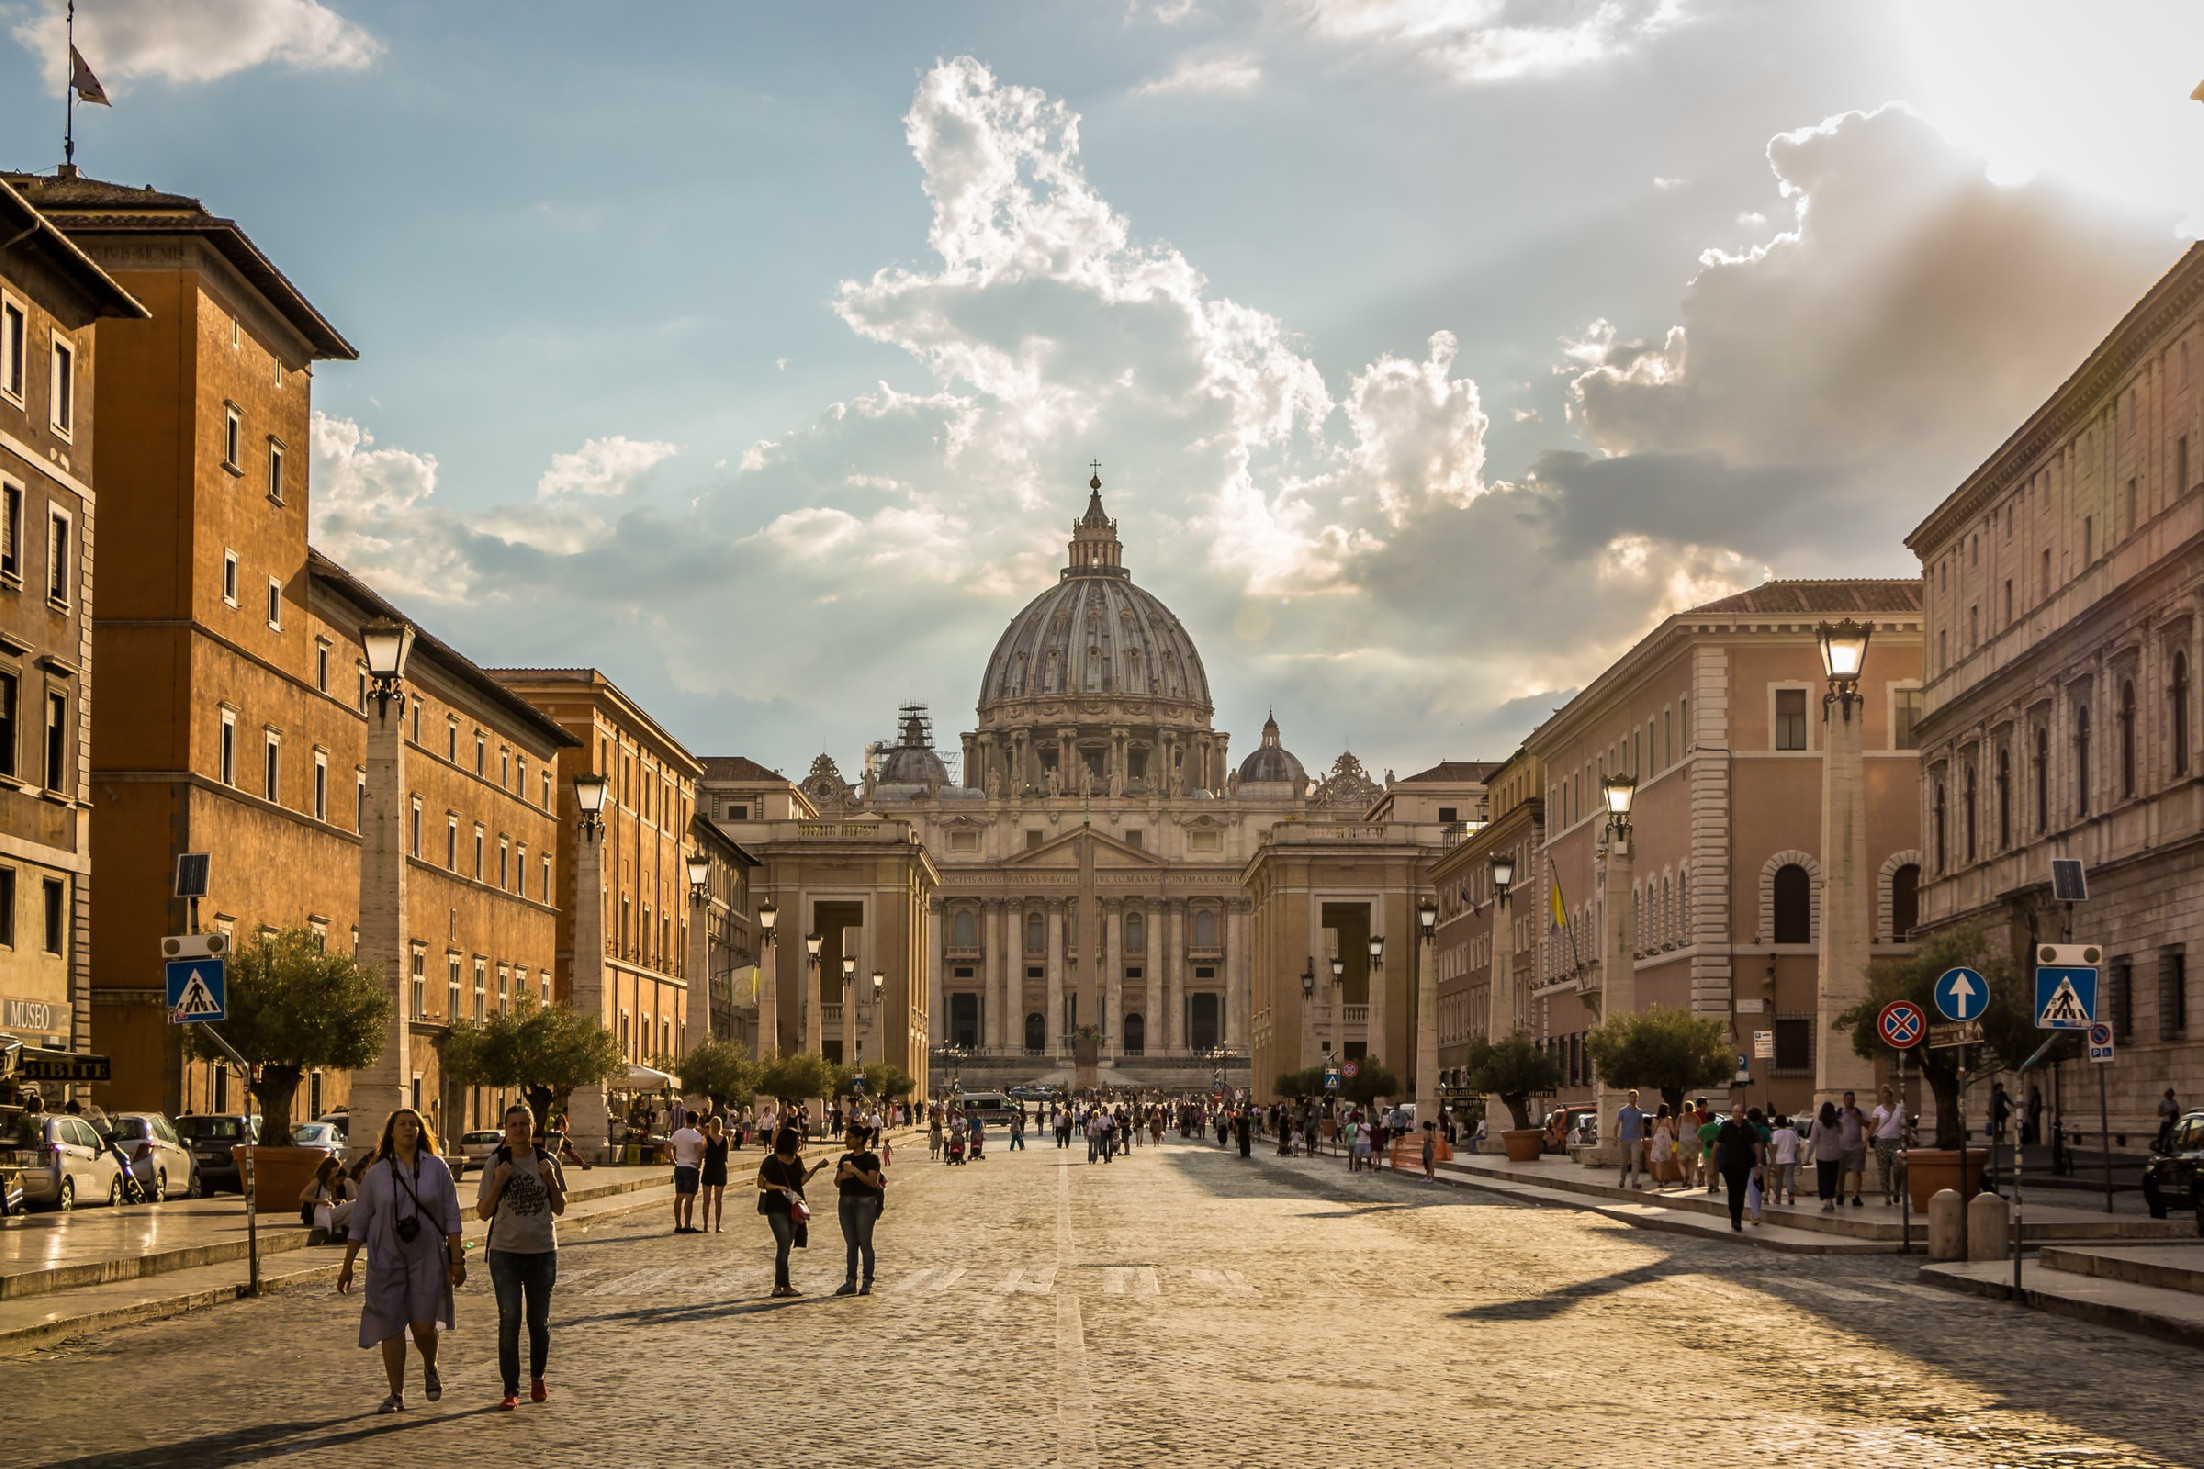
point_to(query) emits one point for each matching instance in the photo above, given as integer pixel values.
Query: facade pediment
(1063, 853)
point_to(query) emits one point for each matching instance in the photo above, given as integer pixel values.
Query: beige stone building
(1473, 923)
(1718, 714)
(2063, 621)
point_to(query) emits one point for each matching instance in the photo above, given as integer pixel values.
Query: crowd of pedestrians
(1755, 1156)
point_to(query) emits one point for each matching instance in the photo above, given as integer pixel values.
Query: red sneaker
(537, 1392)
(511, 1401)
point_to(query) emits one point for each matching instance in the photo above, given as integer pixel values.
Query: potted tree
(793, 1080)
(542, 1051)
(1661, 1049)
(1514, 1070)
(294, 1007)
(2008, 1030)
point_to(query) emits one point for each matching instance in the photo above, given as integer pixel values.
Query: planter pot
(1931, 1169)
(279, 1174)
(1524, 1146)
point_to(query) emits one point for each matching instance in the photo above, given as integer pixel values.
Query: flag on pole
(83, 83)
(1561, 914)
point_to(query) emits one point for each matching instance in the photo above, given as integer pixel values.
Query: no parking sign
(1901, 1024)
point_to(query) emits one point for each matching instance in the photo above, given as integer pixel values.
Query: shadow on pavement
(263, 1441)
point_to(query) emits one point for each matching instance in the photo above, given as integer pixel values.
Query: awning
(645, 1079)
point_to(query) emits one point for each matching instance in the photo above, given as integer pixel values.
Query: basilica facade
(1078, 893)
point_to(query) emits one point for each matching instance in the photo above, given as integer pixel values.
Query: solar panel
(191, 874)
(2067, 883)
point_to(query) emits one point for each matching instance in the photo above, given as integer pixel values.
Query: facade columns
(1053, 1029)
(1005, 995)
(937, 1014)
(587, 1118)
(1236, 995)
(1111, 985)
(1846, 897)
(1174, 975)
(1151, 978)
(386, 1085)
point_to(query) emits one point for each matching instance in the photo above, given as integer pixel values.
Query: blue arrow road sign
(198, 989)
(1962, 994)
(2066, 996)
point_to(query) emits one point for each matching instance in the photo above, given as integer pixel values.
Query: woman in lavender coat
(407, 1190)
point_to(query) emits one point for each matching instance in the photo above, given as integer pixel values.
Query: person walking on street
(1661, 1147)
(1826, 1138)
(1888, 1124)
(522, 1194)
(858, 1177)
(934, 1138)
(2169, 1112)
(1017, 1130)
(1737, 1154)
(1782, 1173)
(1630, 1133)
(781, 1179)
(408, 1221)
(1244, 1127)
(1852, 1127)
(688, 1161)
(1710, 1127)
(713, 1177)
(1431, 1152)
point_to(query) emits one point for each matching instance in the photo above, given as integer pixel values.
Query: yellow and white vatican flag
(83, 83)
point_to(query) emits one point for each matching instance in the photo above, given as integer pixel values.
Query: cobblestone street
(1180, 1306)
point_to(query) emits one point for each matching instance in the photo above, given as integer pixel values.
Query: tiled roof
(82, 206)
(739, 767)
(1822, 598)
(1454, 771)
(20, 221)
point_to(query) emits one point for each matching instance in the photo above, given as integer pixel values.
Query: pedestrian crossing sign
(198, 990)
(2066, 996)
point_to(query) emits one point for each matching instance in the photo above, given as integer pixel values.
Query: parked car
(22, 1150)
(78, 1167)
(475, 1149)
(2171, 1176)
(318, 1135)
(210, 1137)
(160, 1160)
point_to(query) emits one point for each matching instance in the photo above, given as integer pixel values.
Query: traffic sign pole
(2104, 1136)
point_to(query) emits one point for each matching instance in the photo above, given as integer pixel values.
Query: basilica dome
(1095, 687)
(1271, 764)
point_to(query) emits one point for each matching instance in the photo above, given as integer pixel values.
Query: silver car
(159, 1159)
(475, 1149)
(77, 1166)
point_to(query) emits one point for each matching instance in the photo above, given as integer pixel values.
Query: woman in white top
(1663, 1149)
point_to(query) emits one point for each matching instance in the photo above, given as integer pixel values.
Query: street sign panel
(2100, 1042)
(1962, 994)
(1331, 1081)
(2066, 995)
(1744, 1071)
(1763, 1045)
(198, 989)
(1348, 1070)
(1965, 1033)
(1902, 1024)
(195, 945)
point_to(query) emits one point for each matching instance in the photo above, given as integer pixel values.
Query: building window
(229, 577)
(1794, 1045)
(478, 845)
(13, 336)
(1036, 935)
(416, 844)
(359, 800)
(2120, 998)
(321, 785)
(961, 930)
(1967, 814)
(11, 532)
(65, 388)
(1033, 839)
(2046, 590)
(451, 844)
(1905, 901)
(233, 439)
(481, 754)
(451, 988)
(321, 664)
(547, 877)
(520, 870)
(1790, 719)
(226, 758)
(2173, 987)
(481, 990)
(2081, 760)
(275, 471)
(1794, 905)
(57, 741)
(451, 740)
(275, 604)
(2040, 773)
(2127, 738)
(1205, 928)
(504, 987)
(7, 907)
(272, 787)
(420, 982)
(1136, 932)
(504, 852)
(2178, 726)
(2008, 601)
(1905, 705)
(57, 904)
(58, 558)
(9, 688)
(2089, 539)
(2004, 799)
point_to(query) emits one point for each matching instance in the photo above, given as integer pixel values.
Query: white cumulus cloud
(195, 40)
(1475, 41)
(1206, 74)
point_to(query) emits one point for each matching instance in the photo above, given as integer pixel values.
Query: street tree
(797, 1077)
(1372, 1080)
(294, 1007)
(543, 1051)
(719, 1070)
(1514, 1070)
(2008, 1020)
(1300, 1085)
(1670, 1051)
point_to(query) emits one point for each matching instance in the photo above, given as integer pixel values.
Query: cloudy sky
(1433, 349)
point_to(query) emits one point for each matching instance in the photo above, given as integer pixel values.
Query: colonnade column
(935, 940)
(1110, 986)
(1052, 1021)
(1174, 975)
(1236, 974)
(1151, 977)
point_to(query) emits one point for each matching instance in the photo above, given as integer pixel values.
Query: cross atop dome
(1095, 548)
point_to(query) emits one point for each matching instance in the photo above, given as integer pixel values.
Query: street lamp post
(386, 1085)
(1618, 974)
(1308, 1014)
(588, 1119)
(849, 1007)
(879, 1019)
(1427, 1012)
(1845, 893)
(1500, 996)
(1338, 1046)
(814, 991)
(769, 1018)
(698, 1030)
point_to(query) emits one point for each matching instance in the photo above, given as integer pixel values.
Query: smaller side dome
(1272, 764)
(911, 761)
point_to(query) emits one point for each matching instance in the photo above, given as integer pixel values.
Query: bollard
(1945, 1211)
(1989, 1227)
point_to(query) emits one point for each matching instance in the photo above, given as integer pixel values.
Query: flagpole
(69, 98)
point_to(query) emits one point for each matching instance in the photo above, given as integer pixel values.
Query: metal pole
(1905, 1176)
(2104, 1134)
(1965, 1250)
(252, 1217)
